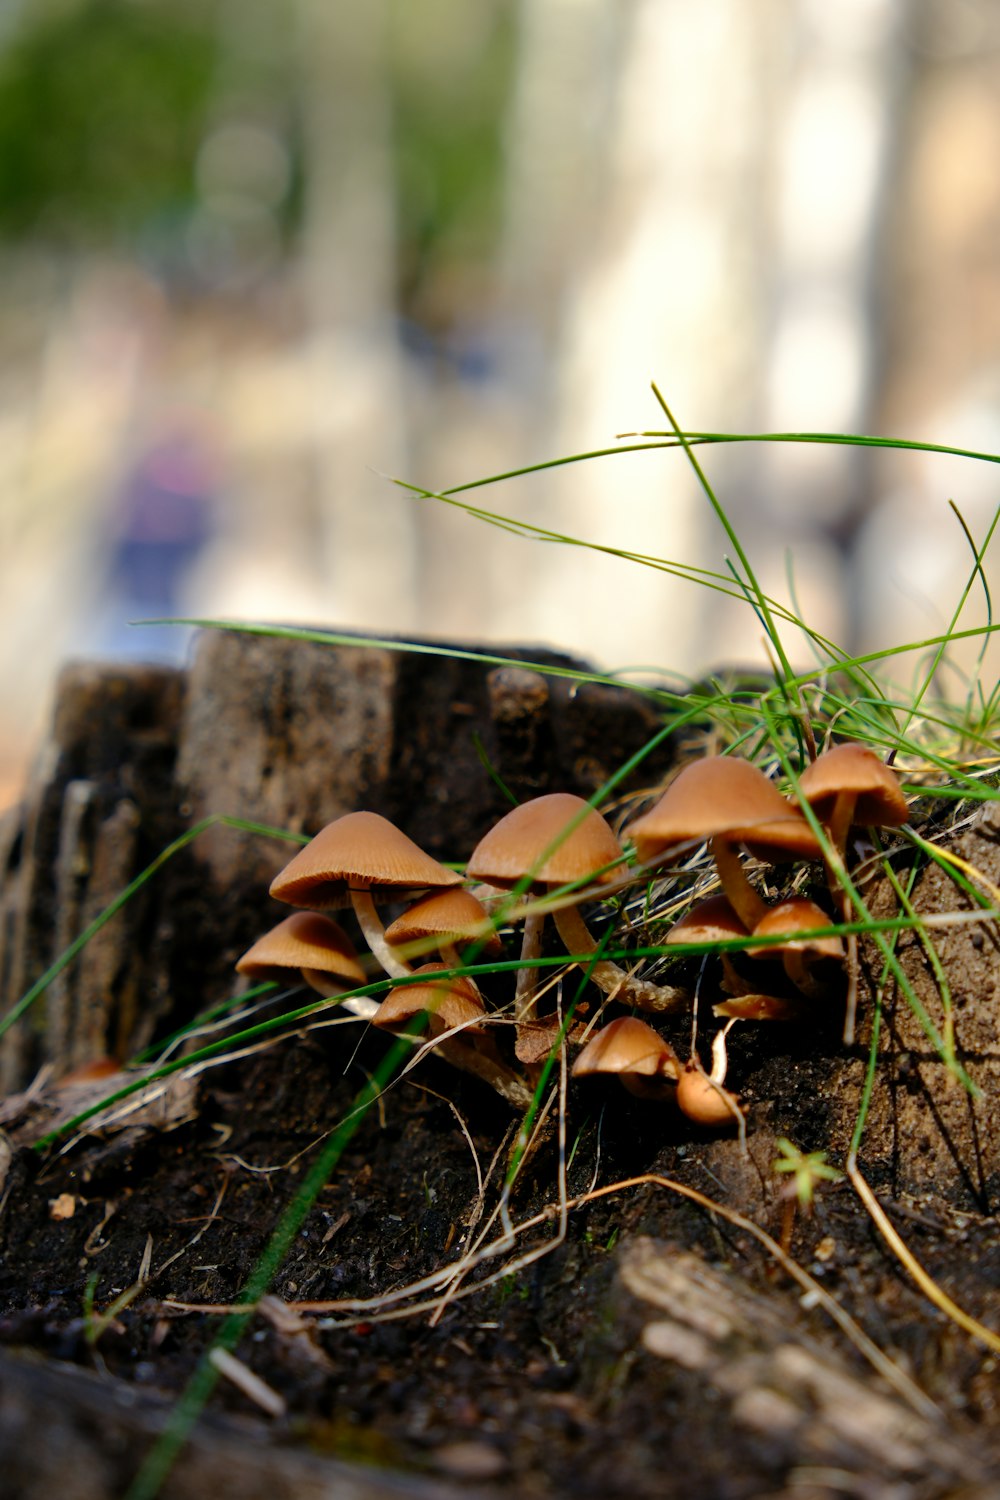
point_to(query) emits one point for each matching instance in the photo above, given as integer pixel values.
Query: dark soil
(539, 1384)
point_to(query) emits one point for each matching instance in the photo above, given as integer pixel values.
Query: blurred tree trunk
(670, 292)
(348, 265)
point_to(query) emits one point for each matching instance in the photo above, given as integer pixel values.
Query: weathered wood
(71, 1433)
(277, 732)
(98, 805)
(778, 1380)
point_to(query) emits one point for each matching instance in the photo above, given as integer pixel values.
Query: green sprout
(807, 1168)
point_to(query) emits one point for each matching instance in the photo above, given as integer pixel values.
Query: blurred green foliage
(450, 97)
(105, 104)
(102, 107)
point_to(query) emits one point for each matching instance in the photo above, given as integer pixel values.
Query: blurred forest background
(259, 254)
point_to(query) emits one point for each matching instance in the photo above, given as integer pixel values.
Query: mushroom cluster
(549, 857)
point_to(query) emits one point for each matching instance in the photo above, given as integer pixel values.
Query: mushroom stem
(470, 1058)
(720, 1057)
(360, 1005)
(742, 897)
(796, 966)
(733, 982)
(577, 938)
(531, 947)
(841, 816)
(838, 827)
(449, 954)
(371, 926)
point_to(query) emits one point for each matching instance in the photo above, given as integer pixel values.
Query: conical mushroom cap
(359, 851)
(532, 840)
(710, 921)
(305, 940)
(451, 915)
(704, 1102)
(788, 919)
(723, 796)
(857, 770)
(448, 1003)
(625, 1046)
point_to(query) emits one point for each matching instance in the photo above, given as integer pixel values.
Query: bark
(776, 1380)
(97, 1432)
(276, 732)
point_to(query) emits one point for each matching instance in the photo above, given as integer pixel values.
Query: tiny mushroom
(628, 1047)
(845, 785)
(704, 1101)
(454, 1011)
(791, 920)
(753, 1007)
(358, 854)
(850, 784)
(728, 802)
(448, 917)
(555, 840)
(713, 921)
(448, 1003)
(700, 1095)
(309, 944)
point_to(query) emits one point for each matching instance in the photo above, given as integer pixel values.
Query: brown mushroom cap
(790, 918)
(305, 940)
(705, 1102)
(723, 796)
(447, 1002)
(514, 847)
(846, 785)
(855, 770)
(763, 1008)
(627, 1046)
(454, 916)
(710, 921)
(359, 851)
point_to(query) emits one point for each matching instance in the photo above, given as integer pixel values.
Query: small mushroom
(309, 944)
(449, 917)
(446, 1002)
(713, 921)
(450, 1004)
(644, 1063)
(849, 784)
(700, 1095)
(728, 802)
(556, 840)
(799, 954)
(704, 1101)
(357, 855)
(845, 785)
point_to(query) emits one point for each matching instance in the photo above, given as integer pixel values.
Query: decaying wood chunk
(783, 1381)
(276, 732)
(96, 1432)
